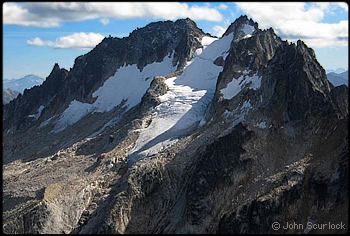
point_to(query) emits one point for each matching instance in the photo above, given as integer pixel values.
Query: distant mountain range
(26, 82)
(337, 71)
(8, 95)
(338, 78)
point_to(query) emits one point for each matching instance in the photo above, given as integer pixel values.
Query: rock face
(16, 113)
(272, 145)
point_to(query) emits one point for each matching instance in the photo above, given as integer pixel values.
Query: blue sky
(38, 35)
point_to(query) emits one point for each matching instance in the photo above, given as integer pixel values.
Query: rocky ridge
(272, 147)
(143, 46)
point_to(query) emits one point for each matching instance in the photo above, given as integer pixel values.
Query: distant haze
(338, 78)
(21, 84)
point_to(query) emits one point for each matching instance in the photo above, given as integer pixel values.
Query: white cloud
(104, 21)
(43, 14)
(77, 40)
(222, 6)
(320, 43)
(218, 30)
(298, 20)
(14, 14)
(343, 5)
(38, 42)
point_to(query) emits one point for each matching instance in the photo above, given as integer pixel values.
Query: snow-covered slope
(26, 82)
(128, 84)
(184, 105)
(236, 85)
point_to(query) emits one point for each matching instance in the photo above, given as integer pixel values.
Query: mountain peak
(56, 67)
(186, 21)
(163, 26)
(242, 27)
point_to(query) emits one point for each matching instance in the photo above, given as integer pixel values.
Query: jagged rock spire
(241, 27)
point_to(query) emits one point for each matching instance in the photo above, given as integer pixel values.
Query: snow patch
(236, 85)
(218, 47)
(128, 84)
(245, 37)
(38, 113)
(72, 114)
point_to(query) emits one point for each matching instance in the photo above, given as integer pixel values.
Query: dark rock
(219, 61)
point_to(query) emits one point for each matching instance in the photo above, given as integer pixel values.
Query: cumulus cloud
(77, 40)
(15, 14)
(296, 20)
(218, 30)
(38, 42)
(44, 14)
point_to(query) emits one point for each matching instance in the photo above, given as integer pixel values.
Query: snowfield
(181, 109)
(128, 84)
(236, 85)
(184, 105)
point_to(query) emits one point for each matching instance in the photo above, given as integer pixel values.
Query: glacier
(184, 105)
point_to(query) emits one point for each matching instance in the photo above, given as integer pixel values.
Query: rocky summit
(172, 130)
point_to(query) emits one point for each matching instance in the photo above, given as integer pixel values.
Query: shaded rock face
(251, 54)
(305, 194)
(277, 152)
(296, 83)
(213, 171)
(17, 111)
(293, 83)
